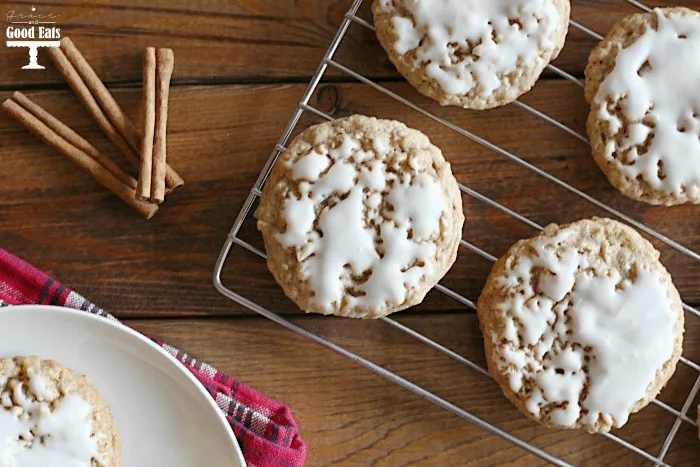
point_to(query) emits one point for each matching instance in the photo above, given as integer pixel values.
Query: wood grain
(219, 140)
(242, 67)
(231, 42)
(349, 416)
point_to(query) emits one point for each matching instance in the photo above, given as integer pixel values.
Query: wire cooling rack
(234, 239)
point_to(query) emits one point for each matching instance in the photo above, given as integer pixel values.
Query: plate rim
(120, 327)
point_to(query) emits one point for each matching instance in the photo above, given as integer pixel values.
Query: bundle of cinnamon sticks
(146, 150)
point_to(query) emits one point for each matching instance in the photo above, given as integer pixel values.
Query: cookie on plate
(50, 415)
(476, 54)
(644, 123)
(582, 325)
(360, 217)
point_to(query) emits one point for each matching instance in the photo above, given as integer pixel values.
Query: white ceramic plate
(164, 415)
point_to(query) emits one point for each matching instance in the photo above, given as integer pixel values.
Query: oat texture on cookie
(472, 53)
(582, 325)
(47, 417)
(644, 124)
(361, 218)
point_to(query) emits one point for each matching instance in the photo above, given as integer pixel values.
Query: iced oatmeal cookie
(644, 123)
(360, 217)
(476, 54)
(50, 415)
(582, 325)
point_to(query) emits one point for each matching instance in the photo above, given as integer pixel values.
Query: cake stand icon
(33, 51)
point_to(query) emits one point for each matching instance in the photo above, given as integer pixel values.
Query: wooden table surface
(241, 67)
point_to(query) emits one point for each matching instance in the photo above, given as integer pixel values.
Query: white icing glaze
(348, 244)
(37, 386)
(665, 95)
(34, 435)
(626, 330)
(444, 27)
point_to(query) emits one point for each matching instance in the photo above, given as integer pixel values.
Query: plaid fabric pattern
(264, 428)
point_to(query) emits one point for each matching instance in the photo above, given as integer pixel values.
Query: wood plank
(220, 137)
(349, 416)
(245, 41)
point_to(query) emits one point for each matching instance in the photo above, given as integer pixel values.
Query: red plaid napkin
(264, 428)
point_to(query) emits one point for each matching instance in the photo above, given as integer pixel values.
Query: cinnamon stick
(114, 113)
(165, 62)
(88, 82)
(78, 157)
(143, 189)
(88, 100)
(65, 132)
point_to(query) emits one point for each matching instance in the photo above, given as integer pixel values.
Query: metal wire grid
(303, 106)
